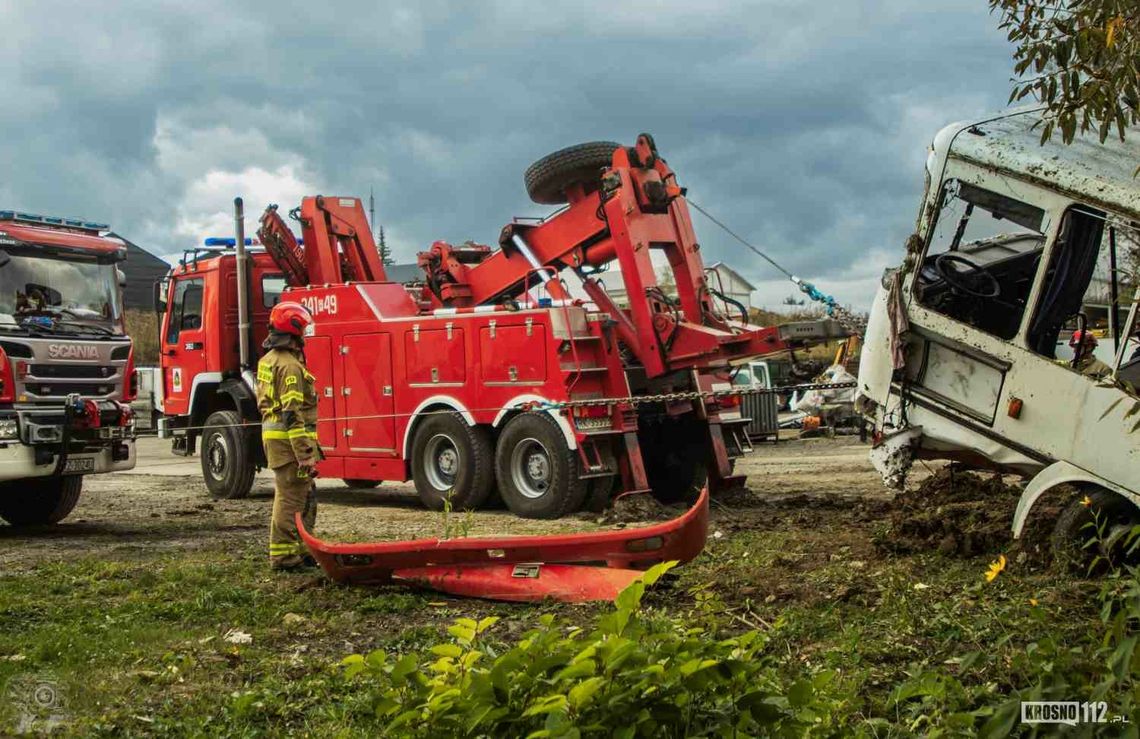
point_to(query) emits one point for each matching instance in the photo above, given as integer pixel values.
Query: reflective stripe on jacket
(287, 401)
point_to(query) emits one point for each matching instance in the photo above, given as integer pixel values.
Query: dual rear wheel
(456, 465)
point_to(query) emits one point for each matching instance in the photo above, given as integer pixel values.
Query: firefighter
(1084, 361)
(287, 401)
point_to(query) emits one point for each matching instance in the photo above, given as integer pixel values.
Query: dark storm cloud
(804, 126)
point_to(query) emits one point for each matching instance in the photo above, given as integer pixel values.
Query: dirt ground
(120, 515)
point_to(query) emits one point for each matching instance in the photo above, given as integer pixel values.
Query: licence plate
(78, 465)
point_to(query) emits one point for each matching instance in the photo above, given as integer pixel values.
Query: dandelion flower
(995, 568)
(1033, 601)
(1086, 501)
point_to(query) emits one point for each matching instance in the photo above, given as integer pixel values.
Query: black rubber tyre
(227, 455)
(600, 493)
(39, 501)
(1074, 528)
(451, 461)
(537, 471)
(547, 179)
(675, 454)
(362, 484)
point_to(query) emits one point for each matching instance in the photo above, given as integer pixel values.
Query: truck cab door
(183, 345)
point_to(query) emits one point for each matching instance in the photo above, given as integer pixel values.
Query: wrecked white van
(1005, 340)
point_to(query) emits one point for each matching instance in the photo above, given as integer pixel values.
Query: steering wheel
(975, 280)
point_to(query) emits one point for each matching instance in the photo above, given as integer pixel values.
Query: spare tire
(547, 179)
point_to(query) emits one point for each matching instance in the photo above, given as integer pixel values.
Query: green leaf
(447, 650)
(583, 692)
(546, 705)
(404, 666)
(576, 670)
(800, 693)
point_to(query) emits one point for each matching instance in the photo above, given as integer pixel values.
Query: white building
(720, 277)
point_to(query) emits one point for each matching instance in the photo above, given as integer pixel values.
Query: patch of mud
(957, 513)
(638, 508)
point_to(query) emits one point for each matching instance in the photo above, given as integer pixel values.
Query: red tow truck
(490, 379)
(66, 364)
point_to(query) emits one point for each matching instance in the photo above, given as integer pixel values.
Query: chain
(633, 400)
(636, 400)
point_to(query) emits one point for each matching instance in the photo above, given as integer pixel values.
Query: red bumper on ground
(566, 567)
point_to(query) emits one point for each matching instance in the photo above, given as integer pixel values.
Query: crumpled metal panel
(484, 566)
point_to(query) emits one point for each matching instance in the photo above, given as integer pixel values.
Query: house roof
(142, 269)
(1086, 169)
(721, 266)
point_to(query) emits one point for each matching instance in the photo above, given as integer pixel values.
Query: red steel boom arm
(338, 245)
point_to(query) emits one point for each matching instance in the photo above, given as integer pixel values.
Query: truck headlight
(9, 429)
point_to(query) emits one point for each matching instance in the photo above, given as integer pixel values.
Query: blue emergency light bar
(14, 215)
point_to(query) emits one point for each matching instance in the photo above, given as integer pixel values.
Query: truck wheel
(363, 484)
(537, 471)
(547, 179)
(451, 462)
(39, 501)
(227, 455)
(674, 454)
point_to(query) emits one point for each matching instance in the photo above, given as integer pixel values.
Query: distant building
(720, 277)
(142, 269)
(726, 280)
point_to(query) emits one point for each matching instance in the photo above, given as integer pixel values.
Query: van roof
(1086, 170)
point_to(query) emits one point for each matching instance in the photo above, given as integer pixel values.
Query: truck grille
(70, 371)
(63, 389)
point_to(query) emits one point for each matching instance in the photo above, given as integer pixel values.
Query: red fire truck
(489, 379)
(66, 364)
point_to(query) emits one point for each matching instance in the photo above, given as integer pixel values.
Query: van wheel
(1076, 528)
(227, 455)
(39, 501)
(537, 471)
(451, 462)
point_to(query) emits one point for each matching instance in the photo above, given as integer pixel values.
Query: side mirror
(121, 276)
(158, 296)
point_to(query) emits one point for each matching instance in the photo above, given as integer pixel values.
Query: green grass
(137, 645)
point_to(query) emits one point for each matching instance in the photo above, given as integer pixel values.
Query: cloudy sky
(802, 125)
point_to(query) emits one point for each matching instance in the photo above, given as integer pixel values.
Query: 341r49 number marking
(317, 306)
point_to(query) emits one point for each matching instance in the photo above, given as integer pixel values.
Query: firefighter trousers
(294, 492)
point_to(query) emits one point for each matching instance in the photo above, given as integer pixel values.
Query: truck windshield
(70, 288)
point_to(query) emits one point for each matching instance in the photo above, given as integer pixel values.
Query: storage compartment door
(369, 404)
(319, 359)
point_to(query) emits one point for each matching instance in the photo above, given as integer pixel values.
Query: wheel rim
(441, 462)
(531, 468)
(217, 456)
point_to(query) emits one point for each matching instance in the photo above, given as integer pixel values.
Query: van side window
(981, 258)
(1089, 287)
(186, 313)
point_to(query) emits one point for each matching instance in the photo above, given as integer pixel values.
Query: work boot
(292, 563)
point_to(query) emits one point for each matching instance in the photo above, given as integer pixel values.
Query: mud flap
(567, 567)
